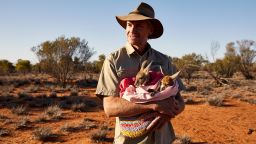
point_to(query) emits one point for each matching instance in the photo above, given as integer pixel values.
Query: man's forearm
(118, 107)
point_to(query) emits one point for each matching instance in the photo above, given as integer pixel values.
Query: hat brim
(158, 27)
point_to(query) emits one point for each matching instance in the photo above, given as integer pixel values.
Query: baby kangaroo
(142, 77)
(168, 80)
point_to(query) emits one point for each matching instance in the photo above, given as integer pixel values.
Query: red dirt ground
(228, 124)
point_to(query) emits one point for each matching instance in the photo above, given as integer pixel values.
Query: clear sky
(189, 25)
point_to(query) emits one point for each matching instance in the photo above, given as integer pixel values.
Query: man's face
(137, 32)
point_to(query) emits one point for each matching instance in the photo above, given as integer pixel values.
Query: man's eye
(128, 24)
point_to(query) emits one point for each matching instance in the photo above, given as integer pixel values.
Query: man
(140, 25)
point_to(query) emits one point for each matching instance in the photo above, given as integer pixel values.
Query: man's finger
(153, 123)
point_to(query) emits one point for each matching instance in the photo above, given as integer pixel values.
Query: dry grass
(216, 100)
(54, 112)
(53, 105)
(23, 123)
(78, 107)
(99, 135)
(20, 110)
(184, 139)
(44, 134)
(249, 100)
(4, 132)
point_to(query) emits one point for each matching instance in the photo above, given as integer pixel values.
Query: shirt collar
(130, 49)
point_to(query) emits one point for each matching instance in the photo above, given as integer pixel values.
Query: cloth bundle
(136, 126)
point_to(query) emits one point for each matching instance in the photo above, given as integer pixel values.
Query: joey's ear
(148, 66)
(143, 65)
(174, 76)
(161, 69)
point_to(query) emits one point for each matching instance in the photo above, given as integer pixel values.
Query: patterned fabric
(136, 126)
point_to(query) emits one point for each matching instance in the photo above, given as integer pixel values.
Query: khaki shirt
(126, 62)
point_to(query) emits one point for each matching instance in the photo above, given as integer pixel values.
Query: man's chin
(134, 42)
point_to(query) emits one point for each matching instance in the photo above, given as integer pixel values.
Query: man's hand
(167, 109)
(167, 106)
(158, 122)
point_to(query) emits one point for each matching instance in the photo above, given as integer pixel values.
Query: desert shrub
(74, 92)
(54, 112)
(204, 89)
(216, 100)
(6, 90)
(42, 118)
(184, 139)
(88, 124)
(68, 87)
(44, 134)
(191, 88)
(99, 135)
(33, 88)
(20, 110)
(189, 100)
(249, 100)
(4, 132)
(88, 120)
(23, 123)
(79, 107)
(71, 128)
(236, 96)
(3, 118)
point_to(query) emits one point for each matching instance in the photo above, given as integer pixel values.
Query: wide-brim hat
(143, 12)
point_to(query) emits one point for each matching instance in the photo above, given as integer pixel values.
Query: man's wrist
(152, 106)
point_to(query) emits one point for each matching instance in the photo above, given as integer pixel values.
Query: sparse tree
(247, 57)
(215, 46)
(100, 62)
(23, 66)
(95, 66)
(59, 57)
(6, 67)
(229, 64)
(36, 68)
(189, 64)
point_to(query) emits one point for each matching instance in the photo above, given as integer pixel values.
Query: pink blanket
(141, 94)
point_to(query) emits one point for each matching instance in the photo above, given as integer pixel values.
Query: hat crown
(144, 9)
(143, 12)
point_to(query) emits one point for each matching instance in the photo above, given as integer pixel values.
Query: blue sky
(189, 25)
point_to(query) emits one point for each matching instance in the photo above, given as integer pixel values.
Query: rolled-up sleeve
(108, 80)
